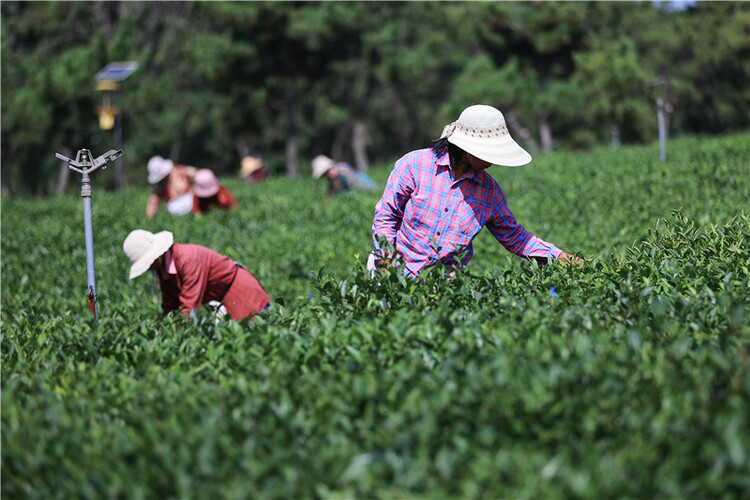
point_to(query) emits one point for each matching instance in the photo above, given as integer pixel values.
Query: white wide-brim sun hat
(481, 131)
(158, 168)
(321, 164)
(144, 247)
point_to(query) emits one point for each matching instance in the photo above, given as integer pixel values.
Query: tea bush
(626, 377)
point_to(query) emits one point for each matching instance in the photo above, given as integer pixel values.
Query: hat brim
(250, 170)
(248, 167)
(165, 166)
(503, 151)
(205, 192)
(320, 173)
(162, 242)
(153, 179)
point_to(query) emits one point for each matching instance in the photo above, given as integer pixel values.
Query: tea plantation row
(627, 377)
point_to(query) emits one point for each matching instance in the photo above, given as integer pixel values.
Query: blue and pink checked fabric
(428, 216)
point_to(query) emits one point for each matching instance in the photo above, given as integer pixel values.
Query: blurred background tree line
(359, 81)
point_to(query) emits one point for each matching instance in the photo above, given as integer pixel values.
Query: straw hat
(250, 164)
(158, 168)
(321, 164)
(144, 247)
(205, 183)
(481, 132)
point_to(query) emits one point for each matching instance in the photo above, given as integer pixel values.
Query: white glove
(219, 310)
(371, 264)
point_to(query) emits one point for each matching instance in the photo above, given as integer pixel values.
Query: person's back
(253, 169)
(201, 276)
(209, 193)
(355, 179)
(204, 275)
(223, 199)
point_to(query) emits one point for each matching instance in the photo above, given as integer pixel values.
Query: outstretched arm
(513, 236)
(152, 205)
(516, 239)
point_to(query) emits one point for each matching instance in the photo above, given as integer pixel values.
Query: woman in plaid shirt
(438, 199)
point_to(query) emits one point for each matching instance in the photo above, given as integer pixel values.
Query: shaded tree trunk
(291, 155)
(174, 151)
(62, 178)
(104, 12)
(242, 147)
(5, 168)
(176, 148)
(270, 135)
(337, 149)
(359, 141)
(291, 137)
(545, 134)
(522, 132)
(614, 131)
(359, 129)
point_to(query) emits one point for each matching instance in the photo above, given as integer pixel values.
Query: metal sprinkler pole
(84, 165)
(88, 229)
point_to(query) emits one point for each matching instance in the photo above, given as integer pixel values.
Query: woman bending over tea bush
(192, 275)
(437, 200)
(171, 183)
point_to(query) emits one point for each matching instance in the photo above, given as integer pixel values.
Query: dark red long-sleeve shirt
(193, 275)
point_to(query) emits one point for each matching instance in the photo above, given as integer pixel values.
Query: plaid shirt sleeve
(389, 211)
(513, 236)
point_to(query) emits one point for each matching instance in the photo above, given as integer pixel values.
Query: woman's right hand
(567, 259)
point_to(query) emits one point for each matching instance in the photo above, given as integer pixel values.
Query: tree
(364, 81)
(539, 41)
(710, 59)
(49, 54)
(615, 86)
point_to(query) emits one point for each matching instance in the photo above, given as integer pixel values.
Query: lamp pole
(118, 140)
(110, 112)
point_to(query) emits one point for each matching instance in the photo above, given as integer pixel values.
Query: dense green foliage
(628, 377)
(291, 80)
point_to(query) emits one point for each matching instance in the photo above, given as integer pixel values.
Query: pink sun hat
(206, 183)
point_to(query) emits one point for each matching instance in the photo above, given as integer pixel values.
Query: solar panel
(116, 71)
